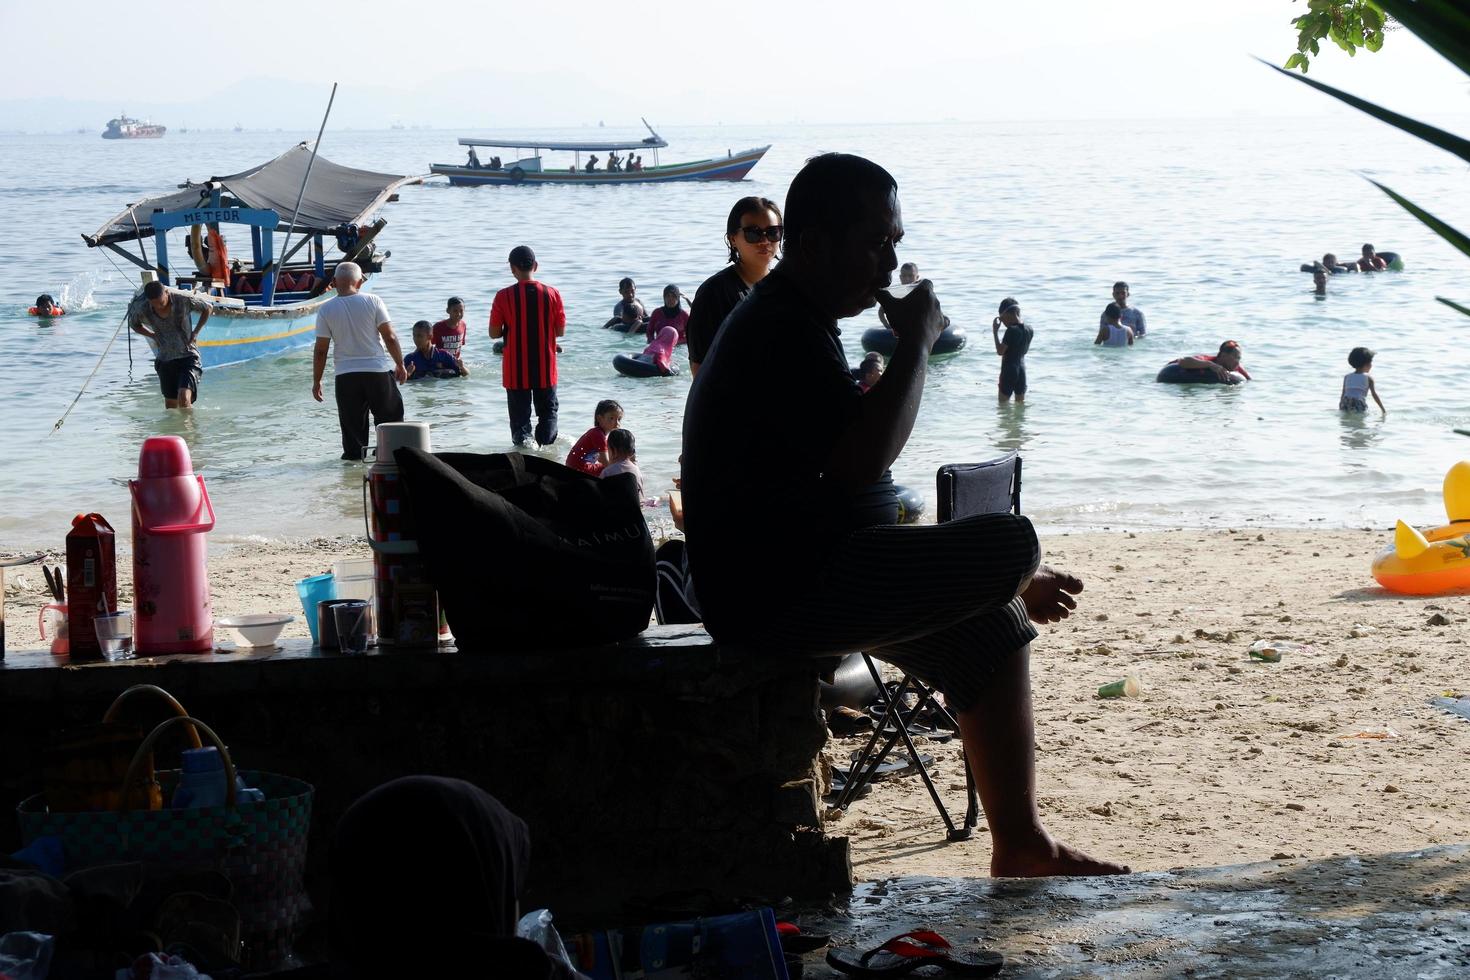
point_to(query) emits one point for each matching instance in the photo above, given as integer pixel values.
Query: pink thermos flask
(171, 515)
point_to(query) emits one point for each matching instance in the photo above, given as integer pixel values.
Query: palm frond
(1457, 145)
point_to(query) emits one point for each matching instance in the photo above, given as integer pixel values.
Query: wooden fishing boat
(267, 305)
(531, 168)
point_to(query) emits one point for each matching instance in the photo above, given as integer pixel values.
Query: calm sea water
(1208, 220)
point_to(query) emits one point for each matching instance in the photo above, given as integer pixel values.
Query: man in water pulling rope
(952, 603)
(164, 318)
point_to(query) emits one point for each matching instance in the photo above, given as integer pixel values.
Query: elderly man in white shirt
(367, 361)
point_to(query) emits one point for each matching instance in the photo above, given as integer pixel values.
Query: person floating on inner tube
(1111, 332)
(46, 306)
(1319, 279)
(627, 320)
(661, 352)
(1371, 260)
(1011, 349)
(1334, 267)
(1224, 364)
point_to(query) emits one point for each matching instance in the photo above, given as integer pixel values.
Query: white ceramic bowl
(258, 630)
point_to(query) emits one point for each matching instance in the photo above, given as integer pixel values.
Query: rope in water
(61, 421)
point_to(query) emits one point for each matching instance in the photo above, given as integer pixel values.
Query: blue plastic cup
(312, 590)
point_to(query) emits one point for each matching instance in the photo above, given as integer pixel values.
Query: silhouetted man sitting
(952, 603)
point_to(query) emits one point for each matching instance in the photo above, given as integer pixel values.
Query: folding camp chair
(965, 490)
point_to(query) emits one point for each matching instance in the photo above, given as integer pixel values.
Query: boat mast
(268, 281)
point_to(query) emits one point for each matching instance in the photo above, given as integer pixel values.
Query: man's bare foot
(1042, 857)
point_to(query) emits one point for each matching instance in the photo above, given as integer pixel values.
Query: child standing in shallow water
(1356, 387)
(1011, 348)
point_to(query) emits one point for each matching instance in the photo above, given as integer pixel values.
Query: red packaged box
(91, 581)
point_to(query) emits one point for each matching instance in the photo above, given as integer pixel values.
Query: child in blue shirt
(428, 361)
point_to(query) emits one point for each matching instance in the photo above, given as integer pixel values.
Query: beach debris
(1341, 661)
(1105, 810)
(1438, 619)
(1129, 687)
(1453, 704)
(1295, 806)
(1270, 651)
(1282, 856)
(1373, 733)
(1216, 635)
(1391, 788)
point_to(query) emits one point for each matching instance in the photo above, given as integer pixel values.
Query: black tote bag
(527, 553)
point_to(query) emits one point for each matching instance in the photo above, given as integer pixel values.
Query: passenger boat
(530, 168)
(124, 128)
(267, 305)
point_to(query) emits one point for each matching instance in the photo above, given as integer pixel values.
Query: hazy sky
(693, 61)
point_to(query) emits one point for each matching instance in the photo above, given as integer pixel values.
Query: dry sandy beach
(1221, 759)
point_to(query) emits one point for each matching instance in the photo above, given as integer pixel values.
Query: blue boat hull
(234, 334)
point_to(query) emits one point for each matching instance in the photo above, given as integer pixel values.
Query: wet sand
(1221, 760)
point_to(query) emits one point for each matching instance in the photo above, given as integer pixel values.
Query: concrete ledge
(661, 764)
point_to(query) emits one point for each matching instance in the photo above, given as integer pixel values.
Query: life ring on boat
(196, 249)
(517, 175)
(54, 311)
(910, 504)
(883, 341)
(641, 367)
(1176, 374)
(219, 257)
(1436, 560)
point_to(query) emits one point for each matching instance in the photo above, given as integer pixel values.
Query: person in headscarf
(426, 874)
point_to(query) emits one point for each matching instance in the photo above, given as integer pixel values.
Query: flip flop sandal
(793, 940)
(904, 954)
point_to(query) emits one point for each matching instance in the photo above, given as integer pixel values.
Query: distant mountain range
(466, 101)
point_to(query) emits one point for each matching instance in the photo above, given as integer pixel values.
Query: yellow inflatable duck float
(1438, 560)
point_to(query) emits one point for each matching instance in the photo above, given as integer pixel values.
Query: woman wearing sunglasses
(753, 232)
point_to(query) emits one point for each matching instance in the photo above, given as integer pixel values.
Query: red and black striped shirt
(532, 315)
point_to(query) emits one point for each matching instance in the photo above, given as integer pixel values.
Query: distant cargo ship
(124, 128)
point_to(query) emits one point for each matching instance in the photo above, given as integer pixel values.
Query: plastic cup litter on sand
(351, 616)
(1128, 687)
(1270, 651)
(115, 634)
(313, 590)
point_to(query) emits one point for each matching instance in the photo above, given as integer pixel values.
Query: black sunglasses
(753, 233)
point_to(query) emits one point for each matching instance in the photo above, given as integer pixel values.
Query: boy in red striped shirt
(530, 316)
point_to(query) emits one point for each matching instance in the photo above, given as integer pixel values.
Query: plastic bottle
(202, 782)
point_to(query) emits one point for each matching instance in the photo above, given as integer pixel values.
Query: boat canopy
(648, 142)
(336, 195)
